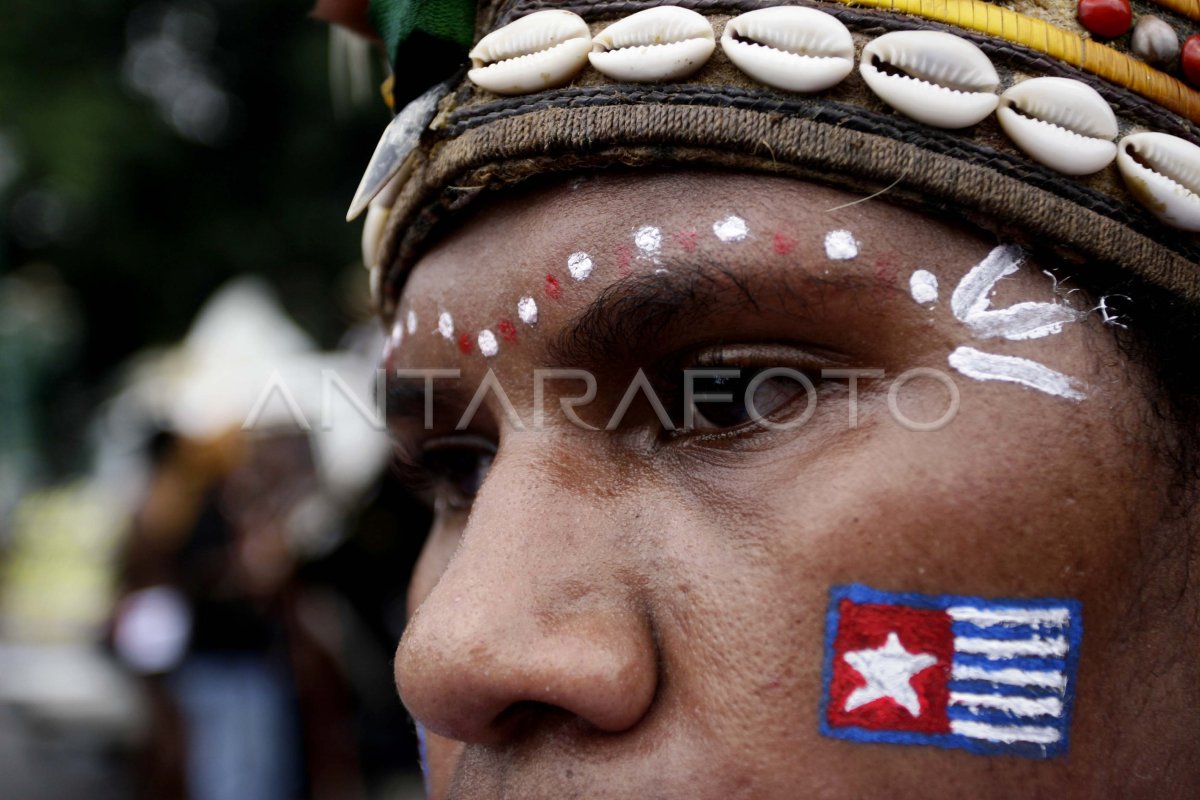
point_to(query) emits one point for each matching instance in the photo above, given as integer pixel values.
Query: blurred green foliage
(151, 150)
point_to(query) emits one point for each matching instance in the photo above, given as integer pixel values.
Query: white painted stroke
(1012, 648)
(991, 367)
(986, 617)
(648, 240)
(487, 343)
(527, 310)
(1010, 677)
(841, 246)
(446, 325)
(579, 265)
(731, 229)
(924, 286)
(1018, 706)
(1007, 734)
(971, 294)
(972, 306)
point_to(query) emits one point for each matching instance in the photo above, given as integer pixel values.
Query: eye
(449, 470)
(728, 398)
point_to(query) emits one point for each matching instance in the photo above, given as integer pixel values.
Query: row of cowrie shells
(933, 77)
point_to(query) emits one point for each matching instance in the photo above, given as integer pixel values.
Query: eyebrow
(407, 399)
(614, 326)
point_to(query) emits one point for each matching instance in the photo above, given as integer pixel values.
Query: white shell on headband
(791, 48)
(1163, 173)
(541, 51)
(936, 78)
(658, 44)
(1062, 123)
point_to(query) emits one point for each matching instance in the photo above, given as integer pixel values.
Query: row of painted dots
(840, 245)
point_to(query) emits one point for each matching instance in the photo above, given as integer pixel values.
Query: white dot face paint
(992, 367)
(648, 240)
(972, 306)
(397, 336)
(731, 229)
(579, 265)
(487, 343)
(446, 325)
(411, 322)
(841, 246)
(527, 310)
(924, 286)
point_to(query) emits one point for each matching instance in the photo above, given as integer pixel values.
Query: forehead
(631, 223)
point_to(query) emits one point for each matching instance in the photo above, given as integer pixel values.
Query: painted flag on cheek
(995, 677)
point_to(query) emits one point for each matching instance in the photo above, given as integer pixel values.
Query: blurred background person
(151, 154)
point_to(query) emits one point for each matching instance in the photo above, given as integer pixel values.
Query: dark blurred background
(173, 183)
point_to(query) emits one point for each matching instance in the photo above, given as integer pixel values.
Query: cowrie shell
(934, 77)
(791, 48)
(1062, 123)
(541, 51)
(658, 44)
(1163, 173)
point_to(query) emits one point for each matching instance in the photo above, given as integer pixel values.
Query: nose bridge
(538, 606)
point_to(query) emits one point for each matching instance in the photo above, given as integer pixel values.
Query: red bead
(1107, 18)
(1191, 59)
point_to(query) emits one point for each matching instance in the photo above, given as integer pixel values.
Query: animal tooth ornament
(1163, 172)
(541, 51)
(936, 78)
(792, 48)
(1062, 123)
(636, 84)
(373, 233)
(659, 44)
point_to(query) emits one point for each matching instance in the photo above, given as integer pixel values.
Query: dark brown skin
(633, 614)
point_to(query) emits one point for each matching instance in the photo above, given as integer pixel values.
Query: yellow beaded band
(1187, 8)
(1039, 35)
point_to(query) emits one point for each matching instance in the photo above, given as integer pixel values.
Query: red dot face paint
(553, 287)
(507, 330)
(687, 240)
(624, 259)
(465, 345)
(783, 244)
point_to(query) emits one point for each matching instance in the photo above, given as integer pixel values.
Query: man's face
(634, 611)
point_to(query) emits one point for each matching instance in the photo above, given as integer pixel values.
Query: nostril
(523, 717)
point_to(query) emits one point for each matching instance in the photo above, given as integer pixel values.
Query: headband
(1066, 126)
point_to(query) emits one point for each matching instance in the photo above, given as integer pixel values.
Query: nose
(535, 616)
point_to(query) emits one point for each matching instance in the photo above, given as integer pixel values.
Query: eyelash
(436, 472)
(749, 365)
(447, 472)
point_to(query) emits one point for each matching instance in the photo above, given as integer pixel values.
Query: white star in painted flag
(889, 671)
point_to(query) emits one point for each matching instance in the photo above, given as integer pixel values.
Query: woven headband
(1068, 127)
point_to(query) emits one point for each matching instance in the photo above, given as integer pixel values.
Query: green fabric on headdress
(427, 40)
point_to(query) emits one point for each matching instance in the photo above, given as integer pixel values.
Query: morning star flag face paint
(995, 677)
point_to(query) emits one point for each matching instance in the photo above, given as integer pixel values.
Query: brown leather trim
(509, 149)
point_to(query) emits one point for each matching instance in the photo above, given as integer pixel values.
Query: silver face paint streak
(992, 367)
(972, 306)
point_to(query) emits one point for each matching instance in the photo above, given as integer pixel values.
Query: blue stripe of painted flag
(1007, 690)
(1011, 662)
